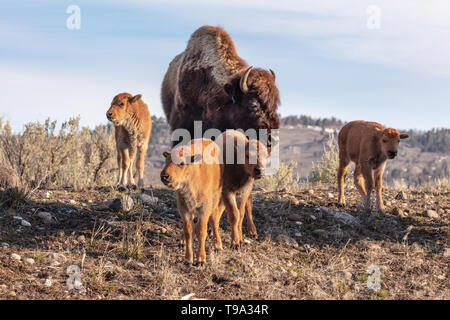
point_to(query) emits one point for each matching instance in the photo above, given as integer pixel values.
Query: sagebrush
(69, 156)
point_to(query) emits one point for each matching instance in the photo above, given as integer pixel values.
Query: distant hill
(423, 157)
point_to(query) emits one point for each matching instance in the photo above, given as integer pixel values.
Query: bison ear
(135, 98)
(404, 136)
(231, 92)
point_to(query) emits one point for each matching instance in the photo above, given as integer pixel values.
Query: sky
(386, 61)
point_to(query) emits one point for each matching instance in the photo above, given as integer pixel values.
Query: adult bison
(209, 82)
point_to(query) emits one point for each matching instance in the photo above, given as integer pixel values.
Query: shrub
(283, 179)
(71, 157)
(325, 170)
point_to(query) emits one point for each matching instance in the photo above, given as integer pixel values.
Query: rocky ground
(71, 245)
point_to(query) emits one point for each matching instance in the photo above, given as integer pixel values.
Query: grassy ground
(137, 255)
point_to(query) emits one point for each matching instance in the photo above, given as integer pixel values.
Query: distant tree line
(435, 140)
(309, 121)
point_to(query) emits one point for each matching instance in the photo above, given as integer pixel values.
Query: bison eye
(121, 104)
(384, 141)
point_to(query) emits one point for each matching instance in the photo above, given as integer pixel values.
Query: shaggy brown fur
(196, 176)
(368, 145)
(133, 126)
(204, 83)
(238, 179)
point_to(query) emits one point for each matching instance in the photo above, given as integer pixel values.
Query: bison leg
(251, 229)
(119, 164)
(242, 205)
(214, 221)
(342, 173)
(201, 232)
(133, 152)
(379, 186)
(140, 166)
(125, 167)
(368, 177)
(233, 218)
(187, 234)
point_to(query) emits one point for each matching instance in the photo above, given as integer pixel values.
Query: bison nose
(109, 114)
(259, 172)
(392, 154)
(164, 177)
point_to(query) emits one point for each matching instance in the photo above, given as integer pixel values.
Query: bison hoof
(341, 205)
(121, 188)
(187, 263)
(132, 187)
(235, 246)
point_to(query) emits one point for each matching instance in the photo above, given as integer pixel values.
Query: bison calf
(244, 161)
(133, 125)
(195, 173)
(368, 145)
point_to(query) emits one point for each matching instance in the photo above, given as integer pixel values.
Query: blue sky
(327, 61)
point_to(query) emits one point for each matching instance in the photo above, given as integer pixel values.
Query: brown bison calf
(133, 125)
(244, 161)
(368, 145)
(195, 173)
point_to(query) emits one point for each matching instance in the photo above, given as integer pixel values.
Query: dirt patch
(304, 250)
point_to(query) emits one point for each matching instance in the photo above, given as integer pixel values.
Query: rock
(299, 223)
(401, 196)
(432, 214)
(109, 264)
(71, 201)
(313, 217)
(320, 233)
(47, 282)
(344, 274)
(311, 192)
(4, 245)
(146, 199)
(81, 238)
(44, 215)
(25, 223)
(330, 195)
(29, 260)
(294, 217)
(103, 206)
(446, 252)
(298, 234)
(16, 257)
(122, 204)
(282, 238)
(399, 212)
(47, 194)
(344, 217)
(323, 210)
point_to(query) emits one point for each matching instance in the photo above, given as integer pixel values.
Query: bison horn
(273, 73)
(243, 82)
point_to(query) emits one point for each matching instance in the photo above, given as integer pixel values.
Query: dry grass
(138, 257)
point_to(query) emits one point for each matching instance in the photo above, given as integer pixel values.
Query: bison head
(120, 106)
(255, 91)
(254, 100)
(389, 140)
